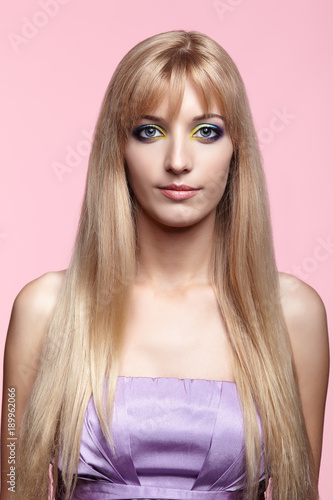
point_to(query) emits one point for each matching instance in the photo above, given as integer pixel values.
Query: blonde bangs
(151, 79)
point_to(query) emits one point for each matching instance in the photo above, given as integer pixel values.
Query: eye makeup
(207, 132)
(204, 132)
(149, 133)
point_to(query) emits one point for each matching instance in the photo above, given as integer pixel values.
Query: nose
(178, 157)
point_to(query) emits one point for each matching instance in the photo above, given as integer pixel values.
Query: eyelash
(219, 132)
(143, 128)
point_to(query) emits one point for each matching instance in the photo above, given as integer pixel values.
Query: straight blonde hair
(83, 343)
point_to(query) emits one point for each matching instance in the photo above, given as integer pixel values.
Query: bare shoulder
(303, 309)
(42, 292)
(306, 322)
(33, 306)
(305, 316)
(27, 328)
(28, 325)
(26, 333)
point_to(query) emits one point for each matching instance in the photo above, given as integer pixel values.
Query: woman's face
(178, 167)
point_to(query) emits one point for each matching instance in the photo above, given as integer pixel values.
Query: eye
(148, 133)
(207, 132)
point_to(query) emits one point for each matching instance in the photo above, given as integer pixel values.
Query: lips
(179, 187)
(179, 191)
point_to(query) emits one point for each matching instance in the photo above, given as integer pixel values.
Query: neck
(174, 257)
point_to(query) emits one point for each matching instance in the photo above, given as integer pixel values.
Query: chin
(176, 217)
(182, 221)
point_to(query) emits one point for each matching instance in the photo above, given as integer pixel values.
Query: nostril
(177, 169)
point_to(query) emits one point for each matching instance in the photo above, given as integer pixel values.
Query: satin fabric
(175, 439)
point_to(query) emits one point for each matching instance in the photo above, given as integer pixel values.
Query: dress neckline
(176, 378)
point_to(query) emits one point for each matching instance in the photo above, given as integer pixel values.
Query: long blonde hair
(83, 343)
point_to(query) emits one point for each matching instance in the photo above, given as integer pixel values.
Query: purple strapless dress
(178, 439)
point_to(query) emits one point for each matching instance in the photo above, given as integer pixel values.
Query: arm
(305, 316)
(27, 327)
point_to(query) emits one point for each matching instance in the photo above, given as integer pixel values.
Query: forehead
(189, 102)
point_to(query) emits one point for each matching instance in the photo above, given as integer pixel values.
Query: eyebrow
(209, 115)
(152, 118)
(195, 118)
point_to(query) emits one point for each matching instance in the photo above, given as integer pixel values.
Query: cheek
(217, 177)
(132, 167)
(137, 165)
(216, 185)
(137, 176)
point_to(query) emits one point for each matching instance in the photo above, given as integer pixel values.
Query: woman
(214, 367)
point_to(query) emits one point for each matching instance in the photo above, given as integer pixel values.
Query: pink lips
(179, 192)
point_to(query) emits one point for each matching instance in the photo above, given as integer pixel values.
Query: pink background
(57, 59)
